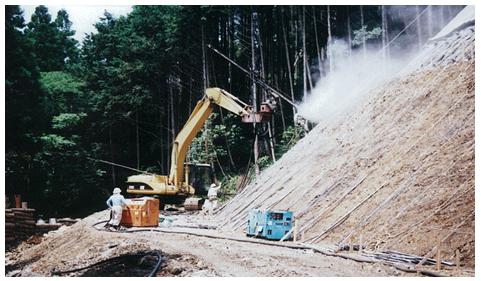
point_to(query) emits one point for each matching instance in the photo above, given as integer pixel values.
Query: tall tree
(254, 90)
(51, 40)
(418, 27)
(288, 63)
(361, 10)
(385, 33)
(319, 62)
(304, 53)
(349, 30)
(23, 109)
(67, 43)
(329, 39)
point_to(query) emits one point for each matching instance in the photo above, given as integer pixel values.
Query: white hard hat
(213, 185)
(117, 190)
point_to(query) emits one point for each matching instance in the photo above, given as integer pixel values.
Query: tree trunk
(271, 143)
(349, 31)
(441, 16)
(204, 64)
(172, 116)
(137, 138)
(304, 53)
(329, 40)
(268, 143)
(289, 72)
(363, 34)
(231, 160)
(205, 80)
(309, 77)
(418, 28)
(190, 92)
(161, 137)
(254, 95)
(297, 50)
(112, 155)
(385, 34)
(230, 36)
(169, 129)
(430, 20)
(282, 113)
(319, 62)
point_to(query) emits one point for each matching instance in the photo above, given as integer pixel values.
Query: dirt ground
(186, 255)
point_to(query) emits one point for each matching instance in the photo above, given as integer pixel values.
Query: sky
(82, 17)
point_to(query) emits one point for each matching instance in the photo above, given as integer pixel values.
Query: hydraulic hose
(151, 274)
(157, 266)
(298, 247)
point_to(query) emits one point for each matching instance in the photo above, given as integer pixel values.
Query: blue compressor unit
(269, 224)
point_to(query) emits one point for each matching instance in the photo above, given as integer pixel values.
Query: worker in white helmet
(212, 201)
(116, 203)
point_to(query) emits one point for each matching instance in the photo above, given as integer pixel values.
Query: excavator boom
(202, 111)
(177, 182)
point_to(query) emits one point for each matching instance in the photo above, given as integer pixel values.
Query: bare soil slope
(396, 173)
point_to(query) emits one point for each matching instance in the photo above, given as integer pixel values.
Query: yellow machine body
(177, 182)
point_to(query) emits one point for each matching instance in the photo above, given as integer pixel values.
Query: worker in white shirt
(116, 203)
(211, 202)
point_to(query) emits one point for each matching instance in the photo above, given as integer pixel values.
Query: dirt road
(186, 255)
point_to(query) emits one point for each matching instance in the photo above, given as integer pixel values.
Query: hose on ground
(97, 223)
(152, 273)
(298, 247)
(157, 266)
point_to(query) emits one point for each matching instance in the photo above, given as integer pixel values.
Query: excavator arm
(176, 184)
(202, 111)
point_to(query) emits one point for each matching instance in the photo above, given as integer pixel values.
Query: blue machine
(269, 224)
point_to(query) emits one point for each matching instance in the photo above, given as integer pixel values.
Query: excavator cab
(201, 176)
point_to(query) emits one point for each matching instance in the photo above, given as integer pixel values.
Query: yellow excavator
(187, 179)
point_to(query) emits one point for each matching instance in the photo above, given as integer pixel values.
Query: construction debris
(19, 225)
(402, 257)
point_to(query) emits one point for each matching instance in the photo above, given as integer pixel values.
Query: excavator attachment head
(264, 115)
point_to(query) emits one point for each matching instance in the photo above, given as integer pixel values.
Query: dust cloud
(352, 75)
(350, 81)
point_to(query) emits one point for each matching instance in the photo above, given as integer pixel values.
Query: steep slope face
(396, 173)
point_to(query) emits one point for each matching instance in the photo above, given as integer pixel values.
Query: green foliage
(289, 138)
(22, 90)
(229, 187)
(201, 149)
(66, 120)
(61, 82)
(264, 162)
(217, 137)
(52, 141)
(23, 115)
(365, 34)
(68, 178)
(63, 92)
(51, 41)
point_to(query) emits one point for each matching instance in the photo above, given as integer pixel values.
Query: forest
(124, 92)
